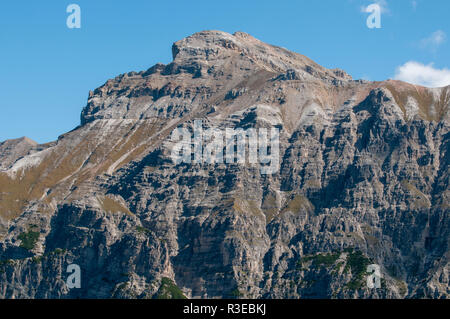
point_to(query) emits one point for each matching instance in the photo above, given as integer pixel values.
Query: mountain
(363, 178)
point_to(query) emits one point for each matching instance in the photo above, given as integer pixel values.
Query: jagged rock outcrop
(363, 179)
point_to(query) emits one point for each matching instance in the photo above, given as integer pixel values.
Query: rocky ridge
(363, 179)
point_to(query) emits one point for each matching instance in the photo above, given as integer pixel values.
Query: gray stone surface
(364, 178)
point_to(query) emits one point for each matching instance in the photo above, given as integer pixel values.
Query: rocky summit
(363, 179)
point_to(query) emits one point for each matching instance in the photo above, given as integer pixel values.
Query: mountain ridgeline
(363, 179)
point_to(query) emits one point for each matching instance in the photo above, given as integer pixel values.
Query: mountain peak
(362, 175)
(215, 69)
(216, 46)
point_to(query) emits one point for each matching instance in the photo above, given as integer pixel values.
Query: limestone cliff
(363, 179)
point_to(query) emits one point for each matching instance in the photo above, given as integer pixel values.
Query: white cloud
(421, 74)
(434, 40)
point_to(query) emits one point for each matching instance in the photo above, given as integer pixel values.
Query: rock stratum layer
(363, 179)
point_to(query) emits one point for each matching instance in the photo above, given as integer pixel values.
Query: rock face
(363, 179)
(12, 150)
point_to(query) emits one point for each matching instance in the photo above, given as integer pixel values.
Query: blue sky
(47, 69)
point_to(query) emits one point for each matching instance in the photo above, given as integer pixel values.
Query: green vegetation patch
(326, 260)
(236, 293)
(357, 263)
(143, 230)
(168, 290)
(29, 239)
(319, 260)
